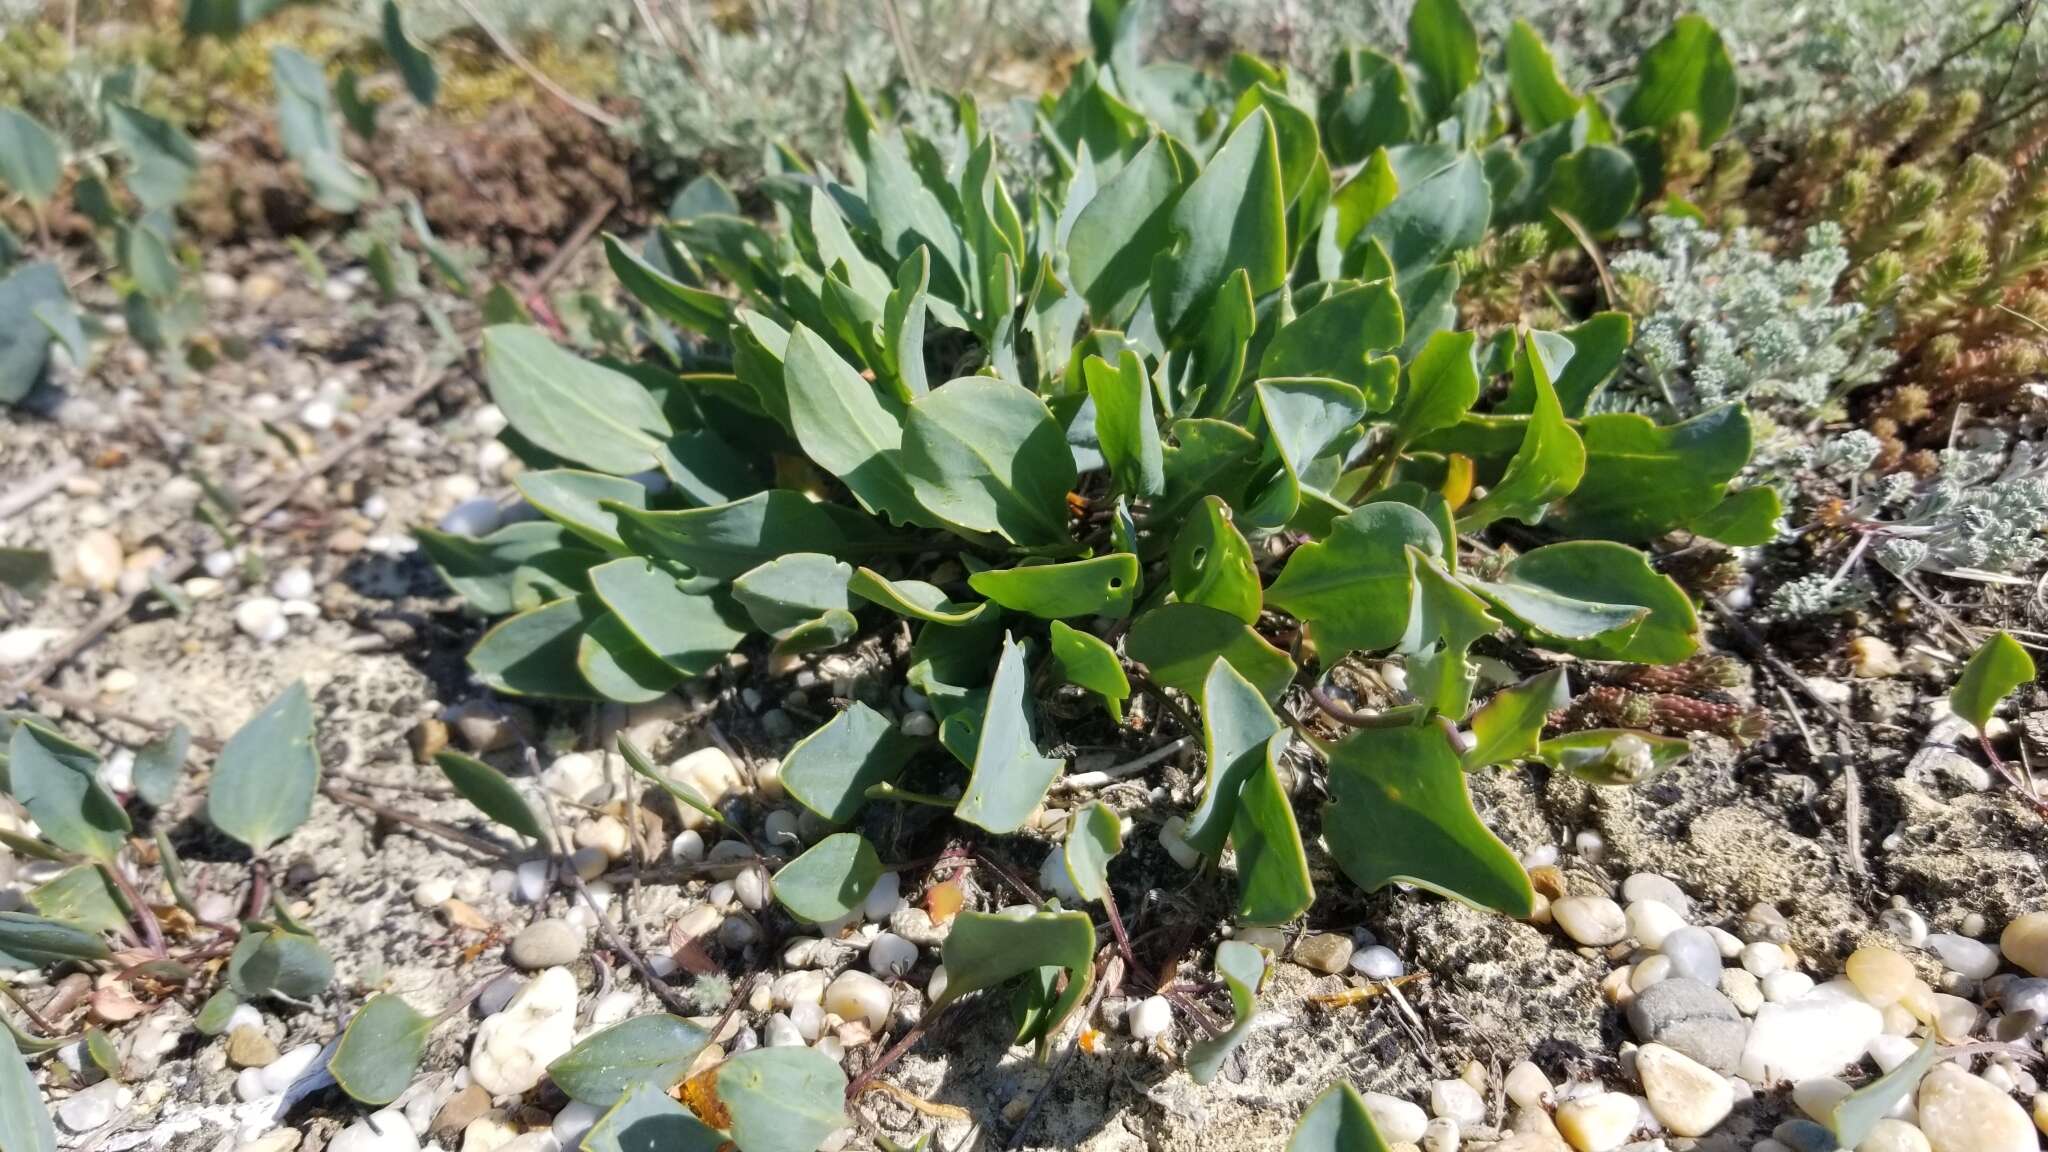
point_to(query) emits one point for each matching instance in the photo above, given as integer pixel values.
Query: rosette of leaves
(1194, 406)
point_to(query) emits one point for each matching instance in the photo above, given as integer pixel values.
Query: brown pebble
(460, 1109)
(1548, 879)
(428, 737)
(249, 1048)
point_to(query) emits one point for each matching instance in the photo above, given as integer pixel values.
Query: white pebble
(530, 880)
(1457, 1101)
(285, 1071)
(750, 887)
(884, 898)
(1762, 958)
(262, 619)
(1151, 1018)
(1590, 846)
(1650, 921)
(855, 995)
(1960, 954)
(782, 1033)
(386, 1131)
(687, 848)
(572, 1122)
(1173, 838)
(1377, 962)
(1784, 986)
(891, 956)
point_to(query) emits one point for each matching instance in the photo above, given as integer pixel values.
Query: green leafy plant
(1189, 416)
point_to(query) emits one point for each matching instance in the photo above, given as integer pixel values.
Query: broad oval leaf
(161, 158)
(30, 162)
(275, 962)
(695, 309)
(1688, 72)
(264, 779)
(1444, 47)
(535, 652)
(1231, 219)
(24, 1123)
(840, 421)
(1745, 518)
(1597, 187)
(1010, 776)
(482, 570)
(646, 1120)
(1339, 338)
(915, 599)
(1548, 465)
(1237, 726)
(653, 1051)
(414, 65)
(1352, 590)
(614, 662)
(576, 409)
(799, 599)
(831, 770)
(1400, 811)
(379, 1051)
(159, 764)
(1094, 837)
(488, 789)
(58, 782)
(985, 951)
(1575, 596)
(1434, 216)
(1213, 565)
(1998, 666)
(83, 897)
(586, 503)
(1103, 586)
(1336, 1122)
(1122, 227)
(691, 632)
(1178, 643)
(987, 455)
(1086, 660)
(726, 540)
(829, 881)
(1273, 884)
(1540, 95)
(1126, 427)
(1242, 966)
(781, 1099)
(1643, 480)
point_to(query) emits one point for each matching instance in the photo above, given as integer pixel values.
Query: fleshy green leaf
(1242, 966)
(1305, 419)
(1746, 518)
(583, 502)
(1125, 425)
(482, 570)
(275, 962)
(782, 1099)
(306, 126)
(24, 1123)
(987, 455)
(58, 782)
(82, 897)
(695, 309)
(651, 1051)
(1273, 884)
(1642, 480)
(25, 296)
(161, 158)
(1597, 187)
(1085, 660)
(691, 632)
(380, 1050)
(830, 879)
(914, 599)
(488, 789)
(1853, 1119)
(844, 428)
(574, 408)
(646, 1120)
(1123, 226)
(1336, 1122)
(37, 940)
(1576, 596)
(729, 539)
(1540, 95)
(1997, 667)
(984, 951)
(1103, 586)
(830, 770)
(159, 764)
(800, 599)
(1213, 565)
(1094, 837)
(1010, 777)
(1339, 339)
(1368, 109)
(1238, 725)
(1232, 218)
(1434, 216)
(1178, 642)
(1442, 386)
(1612, 756)
(1688, 72)
(1511, 723)
(1400, 811)
(1352, 590)
(26, 570)
(264, 778)
(414, 65)
(1548, 465)
(534, 653)
(30, 162)
(1444, 46)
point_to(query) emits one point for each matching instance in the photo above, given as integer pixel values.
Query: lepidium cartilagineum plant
(1191, 414)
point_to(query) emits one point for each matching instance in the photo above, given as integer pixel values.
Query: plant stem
(145, 916)
(1393, 718)
(28, 1010)
(447, 831)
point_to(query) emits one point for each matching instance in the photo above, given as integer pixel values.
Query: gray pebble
(498, 993)
(544, 944)
(777, 724)
(2026, 995)
(1696, 1020)
(1803, 1135)
(1694, 954)
(1763, 922)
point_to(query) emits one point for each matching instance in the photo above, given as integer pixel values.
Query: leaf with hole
(1103, 586)
(1241, 966)
(1352, 590)
(830, 770)
(829, 881)
(1400, 811)
(1177, 643)
(1084, 659)
(578, 410)
(380, 1050)
(1010, 776)
(1998, 666)
(1213, 565)
(607, 1066)
(1094, 837)
(58, 782)
(493, 794)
